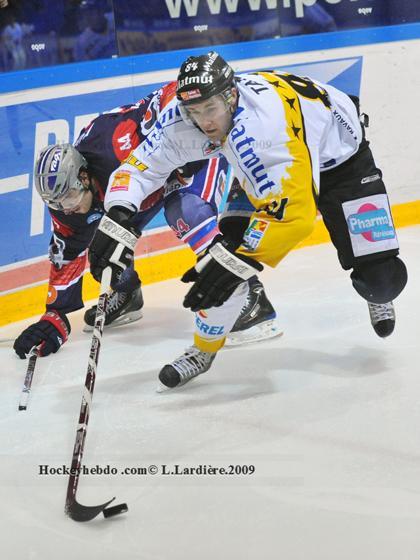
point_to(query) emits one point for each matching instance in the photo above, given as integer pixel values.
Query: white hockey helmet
(57, 180)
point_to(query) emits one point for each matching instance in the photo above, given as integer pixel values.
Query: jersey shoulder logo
(125, 138)
(125, 142)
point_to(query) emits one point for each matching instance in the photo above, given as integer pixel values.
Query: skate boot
(257, 320)
(382, 317)
(192, 363)
(122, 308)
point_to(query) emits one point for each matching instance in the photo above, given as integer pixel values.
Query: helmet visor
(70, 200)
(212, 109)
(212, 116)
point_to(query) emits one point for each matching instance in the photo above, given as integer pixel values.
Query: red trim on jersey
(151, 199)
(209, 182)
(203, 243)
(62, 229)
(68, 272)
(168, 93)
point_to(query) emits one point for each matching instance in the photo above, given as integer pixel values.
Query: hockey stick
(73, 508)
(26, 391)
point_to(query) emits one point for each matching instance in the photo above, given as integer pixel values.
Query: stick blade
(79, 512)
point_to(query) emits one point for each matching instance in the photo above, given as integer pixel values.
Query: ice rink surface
(328, 414)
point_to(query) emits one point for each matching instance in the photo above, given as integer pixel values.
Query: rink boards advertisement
(33, 118)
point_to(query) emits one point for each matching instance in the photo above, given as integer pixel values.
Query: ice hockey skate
(258, 318)
(382, 317)
(192, 363)
(122, 308)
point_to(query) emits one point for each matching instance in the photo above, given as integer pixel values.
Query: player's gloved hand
(49, 333)
(113, 244)
(217, 275)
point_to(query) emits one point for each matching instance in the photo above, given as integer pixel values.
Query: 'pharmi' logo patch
(370, 225)
(373, 223)
(254, 234)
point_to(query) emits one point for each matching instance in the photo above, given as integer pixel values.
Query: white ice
(329, 415)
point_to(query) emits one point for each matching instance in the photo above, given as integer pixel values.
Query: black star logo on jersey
(277, 84)
(291, 102)
(296, 130)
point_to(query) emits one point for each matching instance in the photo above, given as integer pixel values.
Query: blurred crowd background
(35, 33)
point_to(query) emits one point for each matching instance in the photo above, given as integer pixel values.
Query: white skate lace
(115, 301)
(192, 363)
(381, 311)
(247, 302)
(248, 307)
(249, 298)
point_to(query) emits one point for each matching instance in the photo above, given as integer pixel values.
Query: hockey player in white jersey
(295, 145)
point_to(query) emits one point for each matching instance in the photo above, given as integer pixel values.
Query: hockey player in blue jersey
(73, 180)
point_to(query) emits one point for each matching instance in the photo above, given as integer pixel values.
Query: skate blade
(161, 388)
(130, 317)
(258, 333)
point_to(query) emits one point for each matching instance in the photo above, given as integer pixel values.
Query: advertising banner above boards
(48, 32)
(39, 118)
(177, 24)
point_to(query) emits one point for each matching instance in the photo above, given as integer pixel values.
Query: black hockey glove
(49, 333)
(113, 244)
(217, 275)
